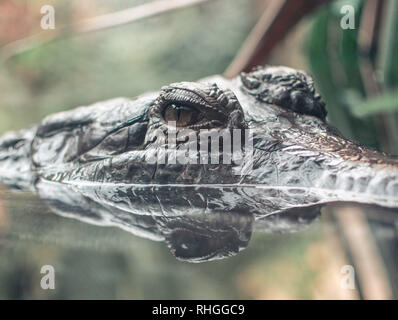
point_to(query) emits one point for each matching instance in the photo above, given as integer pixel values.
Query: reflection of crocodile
(297, 163)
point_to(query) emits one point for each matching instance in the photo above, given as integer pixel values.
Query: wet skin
(91, 163)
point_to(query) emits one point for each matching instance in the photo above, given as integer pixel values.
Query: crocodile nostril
(288, 88)
(300, 104)
(284, 99)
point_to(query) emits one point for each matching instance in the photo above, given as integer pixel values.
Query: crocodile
(147, 165)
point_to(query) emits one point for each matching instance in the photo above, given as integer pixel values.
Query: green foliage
(387, 102)
(335, 61)
(389, 47)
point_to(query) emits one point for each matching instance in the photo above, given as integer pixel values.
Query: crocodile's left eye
(182, 115)
(196, 106)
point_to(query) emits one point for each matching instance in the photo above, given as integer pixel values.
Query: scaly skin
(298, 162)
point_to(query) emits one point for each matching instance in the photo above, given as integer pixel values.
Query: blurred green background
(184, 45)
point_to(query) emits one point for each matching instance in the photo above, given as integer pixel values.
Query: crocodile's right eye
(182, 115)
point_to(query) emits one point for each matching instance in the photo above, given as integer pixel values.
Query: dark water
(97, 256)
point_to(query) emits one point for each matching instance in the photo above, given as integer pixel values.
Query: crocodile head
(257, 146)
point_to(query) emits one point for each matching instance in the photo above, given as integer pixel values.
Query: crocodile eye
(182, 115)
